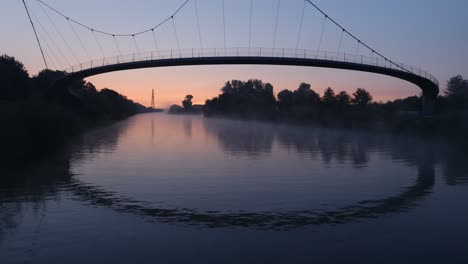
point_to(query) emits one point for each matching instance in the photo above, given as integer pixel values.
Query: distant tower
(152, 99)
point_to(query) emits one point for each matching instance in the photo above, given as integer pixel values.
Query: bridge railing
(252, 52)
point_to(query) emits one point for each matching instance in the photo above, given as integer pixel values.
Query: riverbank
(450, 127)
(256, 100)
(31, 130)
(37, 120)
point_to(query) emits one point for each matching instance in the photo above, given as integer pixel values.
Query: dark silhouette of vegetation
(14, 79)
(303, 96)
(456, 93)
(187, 103)
(255, 100)
(243, 99)
(187, 107)
(37, 119)
(361, 98)
(329, 98)
(342, 100)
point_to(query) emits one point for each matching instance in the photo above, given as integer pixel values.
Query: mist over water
(178, 189)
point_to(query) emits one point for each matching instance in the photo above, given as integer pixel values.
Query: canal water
(158, 188)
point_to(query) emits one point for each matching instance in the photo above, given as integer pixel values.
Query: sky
(430, 34)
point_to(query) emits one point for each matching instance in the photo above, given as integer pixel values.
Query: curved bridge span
(258, 56)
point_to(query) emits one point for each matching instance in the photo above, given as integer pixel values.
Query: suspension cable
(354, 37)
(321, 35)
(155, 42)
(50, 38)
(198, 24)
(99, 44)
(250, 24)
(341, 41)
(51, 51)
(50, 59)
(300, 25)
(176, 35)
(136, 45)
(118, 47)
(58, 31)
(357, 48)
(35, 33)
(109, 33)
(276, 25)
(224, 25)
(79, 39)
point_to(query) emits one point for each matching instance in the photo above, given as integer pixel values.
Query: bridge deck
(260, 56)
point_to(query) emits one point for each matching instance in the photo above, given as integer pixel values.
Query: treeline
(251, 99)
(36, 118)
(255, 99)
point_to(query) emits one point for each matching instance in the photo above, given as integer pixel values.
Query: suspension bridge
(351, 52)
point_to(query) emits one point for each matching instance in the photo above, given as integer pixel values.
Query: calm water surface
(180, 189)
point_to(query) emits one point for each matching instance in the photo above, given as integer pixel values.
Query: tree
(187, 103)
(227, 88)
(305, 96)
(89, 88)
(50, 76)
(343, 99)
(304, 88)
(455, 86)
(361, 98)
(14, 79)
(253, 98)
(268, 91)
(457, 92)
(285, 99)
(412, 103)
(329, 98)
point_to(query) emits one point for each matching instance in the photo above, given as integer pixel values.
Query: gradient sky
(425, 33)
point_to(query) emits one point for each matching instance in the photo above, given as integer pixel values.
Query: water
(182, 189)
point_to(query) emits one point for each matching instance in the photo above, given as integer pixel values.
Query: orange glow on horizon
(171, 84)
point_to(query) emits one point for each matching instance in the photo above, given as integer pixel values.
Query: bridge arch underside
(429, 89)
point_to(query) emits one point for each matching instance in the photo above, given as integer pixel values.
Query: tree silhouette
(286, 99)
(457, 92)
(343, 99)
(251, 99)
(305, 96)
(187, 102)
(329, 98)
(14, 79)
(304, 88)
(228, 88)
(361, 98)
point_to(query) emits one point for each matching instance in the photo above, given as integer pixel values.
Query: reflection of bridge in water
(56, 177)
(264, 220)
(353, 146)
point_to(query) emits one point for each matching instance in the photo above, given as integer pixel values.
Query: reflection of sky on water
(218, 173)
